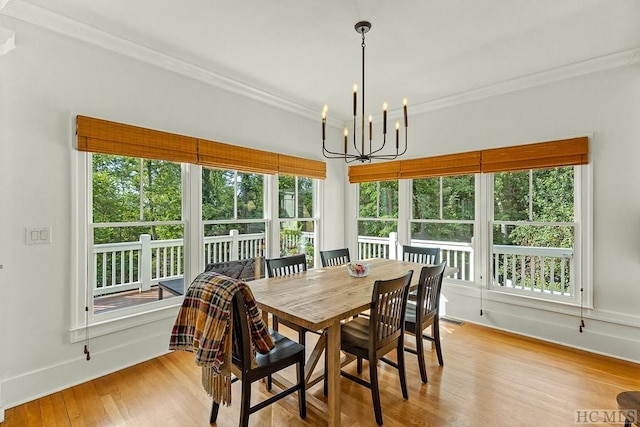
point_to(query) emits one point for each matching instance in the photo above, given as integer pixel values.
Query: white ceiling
(308, 54)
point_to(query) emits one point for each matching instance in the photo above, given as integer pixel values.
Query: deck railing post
(235, 245)
(393, 245)
(145, 262)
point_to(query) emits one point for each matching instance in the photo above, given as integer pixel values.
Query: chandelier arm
(392, 156)
(335, 155)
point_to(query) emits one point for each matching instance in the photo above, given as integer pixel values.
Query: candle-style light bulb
(404, 109)
(324, 122)
(355, 99)
(346, 134)
(370, 127)
(397, 134)
(384, 118)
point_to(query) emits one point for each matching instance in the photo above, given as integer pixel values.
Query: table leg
(333, 374)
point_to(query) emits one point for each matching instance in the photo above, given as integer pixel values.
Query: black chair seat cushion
(355, 332)
(284, 350)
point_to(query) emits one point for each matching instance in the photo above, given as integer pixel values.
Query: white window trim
(583, 252)
(82, 321)
(274, 200)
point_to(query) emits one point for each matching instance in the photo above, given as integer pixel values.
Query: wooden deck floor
(126, 299)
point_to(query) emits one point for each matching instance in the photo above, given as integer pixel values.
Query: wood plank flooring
(490, 378)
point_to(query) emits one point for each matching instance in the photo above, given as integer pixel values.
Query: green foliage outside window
(542, 195)
(447, 200)
(127, 189)
(377, 202)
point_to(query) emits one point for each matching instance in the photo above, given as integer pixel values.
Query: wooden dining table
(319, 300)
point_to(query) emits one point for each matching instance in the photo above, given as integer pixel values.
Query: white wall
(606, 105)
(43, 83)
(49, 77)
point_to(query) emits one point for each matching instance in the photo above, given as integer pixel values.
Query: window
(514, 220)
(377, 219)
(232, 215)
(298, 222)
(152, 206)
(534, 231)
(443, 216)
(137, 228)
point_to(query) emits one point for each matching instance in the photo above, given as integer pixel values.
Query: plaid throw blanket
(204, 324)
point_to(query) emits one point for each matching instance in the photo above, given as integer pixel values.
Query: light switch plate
(38, 235)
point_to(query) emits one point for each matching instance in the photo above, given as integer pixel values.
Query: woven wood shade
(566, 152)
(386, 171)
(103, 136)
(226, 156)
(290, 165)
(451, 164)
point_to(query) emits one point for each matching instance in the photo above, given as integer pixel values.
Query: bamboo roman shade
(102, 136)
(452, 164)
(290, 165)
(226, 156)
(566, 152)
(386, 171)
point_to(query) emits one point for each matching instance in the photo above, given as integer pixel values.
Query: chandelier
(366, 151)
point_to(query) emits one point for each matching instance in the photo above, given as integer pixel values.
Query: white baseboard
(618, 339)
(42, 382)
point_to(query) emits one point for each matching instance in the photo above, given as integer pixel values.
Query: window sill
(125, 321)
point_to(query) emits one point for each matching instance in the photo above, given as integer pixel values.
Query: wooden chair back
(420, 254)
(286, 265)
(429, 288)
(387, 312)
(334, 257)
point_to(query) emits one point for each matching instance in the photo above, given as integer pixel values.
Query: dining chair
(424, 313)
(285, 266)
(372, 338)
(249, 369)
(420, 254)
(334, 257)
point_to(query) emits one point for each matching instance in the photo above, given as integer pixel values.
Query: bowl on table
(358, 269)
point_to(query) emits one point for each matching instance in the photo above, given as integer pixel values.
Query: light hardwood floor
(490, 378)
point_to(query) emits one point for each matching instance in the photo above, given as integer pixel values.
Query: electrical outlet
(38, 235)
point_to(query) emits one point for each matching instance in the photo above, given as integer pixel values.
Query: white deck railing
(537, 269)
(457, 255)
(139, 265)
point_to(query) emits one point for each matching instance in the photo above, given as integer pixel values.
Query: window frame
(473, 274)
(317, 188)
(83, 321)
(582, 250)
(482, 241)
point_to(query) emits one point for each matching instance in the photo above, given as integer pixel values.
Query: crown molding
(44, 18)
(49, 20)
(577, 69)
